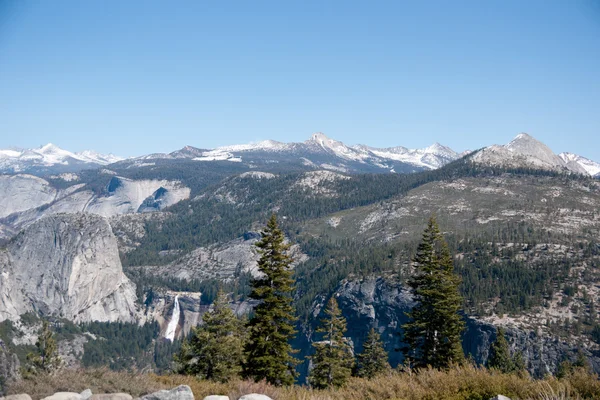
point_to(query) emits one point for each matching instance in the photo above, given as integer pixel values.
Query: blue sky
(134, 77)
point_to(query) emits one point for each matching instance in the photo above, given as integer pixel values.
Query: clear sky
(134, 77)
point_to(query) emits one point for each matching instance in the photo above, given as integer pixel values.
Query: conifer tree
(214, 350)
(374, 359)
(432, 334)
(499, 357)
(268, 350)
(519, 362)
(332, 361)
(45, 358)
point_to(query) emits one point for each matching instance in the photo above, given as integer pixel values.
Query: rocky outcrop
(66, 265)
(382, 303)
(223, 261)
(9, 366)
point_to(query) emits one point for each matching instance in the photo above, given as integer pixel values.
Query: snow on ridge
(50, 155)
(270, 145)
(217, 155)
(591, 167)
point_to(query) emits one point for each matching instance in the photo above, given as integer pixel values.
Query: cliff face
(382, 303)
(66, 265)
(9, 366)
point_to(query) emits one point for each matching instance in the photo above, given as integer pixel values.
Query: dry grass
(460, 383)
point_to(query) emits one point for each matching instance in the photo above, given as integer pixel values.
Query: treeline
(123, 346)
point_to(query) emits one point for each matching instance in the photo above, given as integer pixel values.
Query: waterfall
(172, 327)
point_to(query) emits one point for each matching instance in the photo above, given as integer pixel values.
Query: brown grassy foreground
(460, 383)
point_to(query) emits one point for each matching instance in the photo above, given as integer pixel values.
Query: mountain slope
(29, 198)
(524, 151)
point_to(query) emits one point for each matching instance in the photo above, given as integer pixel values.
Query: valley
(112, 251)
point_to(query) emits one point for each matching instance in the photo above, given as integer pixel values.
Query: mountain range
(318, 152)
(165, 231)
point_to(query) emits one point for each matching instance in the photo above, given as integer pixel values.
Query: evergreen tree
(45, 358)
(214, 350)
(332, 361)
(268, 351)
(519, 362)
(374, 359)
(432, 334)
(499, 357)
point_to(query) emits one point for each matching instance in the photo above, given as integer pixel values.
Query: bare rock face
(66, 265)
(9, 366)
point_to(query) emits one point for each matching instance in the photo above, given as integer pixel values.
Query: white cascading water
(172, 327)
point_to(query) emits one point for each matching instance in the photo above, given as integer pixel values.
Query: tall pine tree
(432, 334)
(499, 357)
(374, 359)
(214, 350)
(332, 361)
(268, 350)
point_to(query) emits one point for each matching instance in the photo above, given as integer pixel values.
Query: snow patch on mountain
(217, 155)
(432, 157)
(591, 167)
(266, 145)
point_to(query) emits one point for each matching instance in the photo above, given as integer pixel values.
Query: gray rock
(86, 394)
(182, 392)
(112, 396)
(255, 396)
(64, 396)
(9, 365)
(500, 397)
(216, 397)
(23, 396)
(66, 265)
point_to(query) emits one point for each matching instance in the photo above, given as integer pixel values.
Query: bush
(458, 383)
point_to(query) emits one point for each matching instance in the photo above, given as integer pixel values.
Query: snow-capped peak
(441, 150)
(49, 155)
(525, 151)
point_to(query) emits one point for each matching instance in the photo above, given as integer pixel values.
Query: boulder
(500, 397)
(23, 396)
(216, 397)
(112, 396)
(86, 394)
(255, 396)
(182, 392)
(64, 396)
